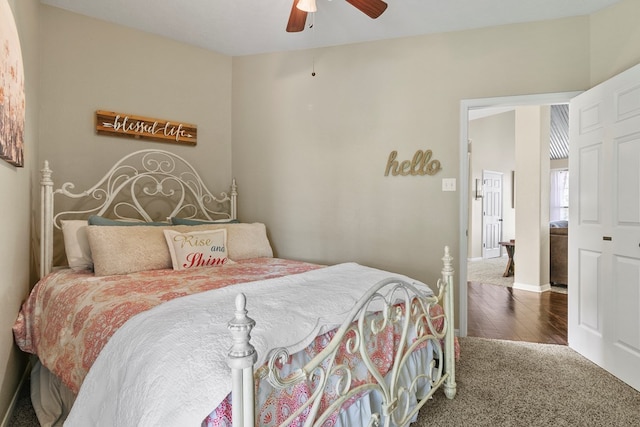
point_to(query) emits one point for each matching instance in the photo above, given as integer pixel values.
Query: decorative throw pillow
(245, 240)
(76, 244)
(197, 248)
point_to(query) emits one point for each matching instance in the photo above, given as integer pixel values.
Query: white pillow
(76, 244)
(197, 248)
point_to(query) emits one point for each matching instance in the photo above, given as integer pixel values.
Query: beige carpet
(508, 383)
(489, 271)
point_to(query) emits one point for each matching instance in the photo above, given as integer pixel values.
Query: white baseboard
(532, 288)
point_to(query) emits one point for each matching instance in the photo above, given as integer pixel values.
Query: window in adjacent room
(559, 203)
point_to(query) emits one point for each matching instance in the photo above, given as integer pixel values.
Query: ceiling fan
(300, 8)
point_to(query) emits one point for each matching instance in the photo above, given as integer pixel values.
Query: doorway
(466, 107)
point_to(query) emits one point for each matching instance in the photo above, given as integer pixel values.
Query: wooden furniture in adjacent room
(510, 246)
(558, 254)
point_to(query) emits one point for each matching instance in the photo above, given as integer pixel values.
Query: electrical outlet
(448, 184)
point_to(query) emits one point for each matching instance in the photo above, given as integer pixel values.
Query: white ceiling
(245, 27)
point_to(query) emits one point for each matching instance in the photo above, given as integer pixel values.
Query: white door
(604, 225)
(491, 213)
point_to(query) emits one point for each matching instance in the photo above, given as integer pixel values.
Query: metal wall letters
(421, 164)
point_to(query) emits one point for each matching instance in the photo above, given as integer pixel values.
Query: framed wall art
(12, 97)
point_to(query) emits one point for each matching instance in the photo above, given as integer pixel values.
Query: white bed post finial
(240, 327)
(449, 363)
(241, 357)
(46, 220)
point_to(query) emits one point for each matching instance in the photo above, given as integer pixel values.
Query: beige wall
(309, 152)
(615, 37)
(91, 65)
(532, 197)
(15, 221)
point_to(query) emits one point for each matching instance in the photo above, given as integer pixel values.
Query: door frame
(467, 105)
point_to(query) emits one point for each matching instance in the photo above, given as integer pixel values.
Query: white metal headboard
(124, 193)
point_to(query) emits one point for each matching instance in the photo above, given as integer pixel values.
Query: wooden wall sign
(421, 164)
(127, 125)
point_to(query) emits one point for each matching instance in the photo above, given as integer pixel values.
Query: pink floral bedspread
(70, 315)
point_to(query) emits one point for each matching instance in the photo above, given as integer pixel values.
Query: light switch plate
(448, 184)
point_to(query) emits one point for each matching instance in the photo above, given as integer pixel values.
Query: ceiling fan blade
(372, 8)
(297, 19)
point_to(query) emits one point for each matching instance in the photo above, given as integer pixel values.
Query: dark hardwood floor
(511, 314)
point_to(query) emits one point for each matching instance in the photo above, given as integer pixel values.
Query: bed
(136, 329)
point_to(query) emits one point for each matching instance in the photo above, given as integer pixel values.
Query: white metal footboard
(406, 304)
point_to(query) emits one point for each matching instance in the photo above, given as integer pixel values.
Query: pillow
(100, 220)
(189, 221)
(76, 244)
(244, 240)
(127, 249)
(197, 248)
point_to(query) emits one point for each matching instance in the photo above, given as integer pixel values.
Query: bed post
(449, 362)
(46, 220)
(241, 357)
(234, 199)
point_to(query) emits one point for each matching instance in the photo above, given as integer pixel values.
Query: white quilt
(167, 366)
